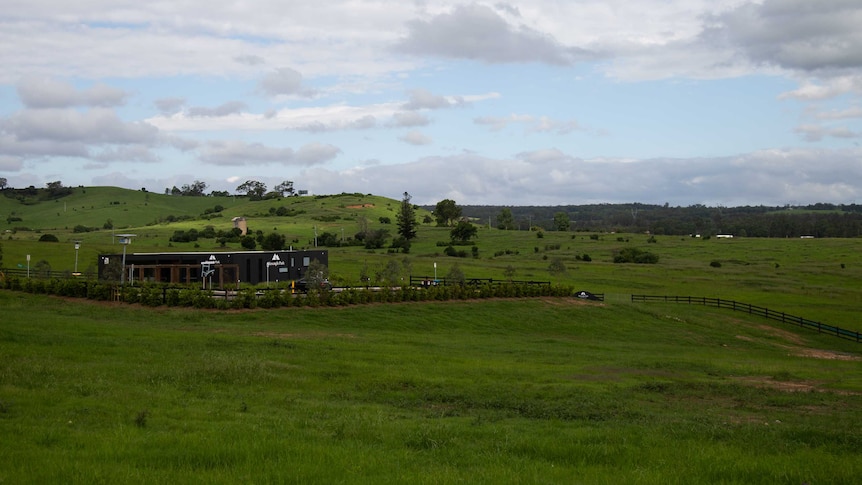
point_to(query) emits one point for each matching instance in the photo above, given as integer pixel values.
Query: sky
(715, 102)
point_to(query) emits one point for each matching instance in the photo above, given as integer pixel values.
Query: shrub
(635, 255)
(715, 264)
(48, 238)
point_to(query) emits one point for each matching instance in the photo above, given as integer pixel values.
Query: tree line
(818, 220)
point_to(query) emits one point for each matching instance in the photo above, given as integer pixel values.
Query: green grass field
(550, 390)
(506, 391)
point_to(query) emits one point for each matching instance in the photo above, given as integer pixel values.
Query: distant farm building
(219, 269)
(724, 236)
(241, 224)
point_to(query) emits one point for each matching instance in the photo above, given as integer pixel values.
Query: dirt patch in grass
(826, 354)
(360, 206)
(790, 386)
(784, 334)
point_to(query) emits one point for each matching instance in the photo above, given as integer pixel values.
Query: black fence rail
(42, 274)
(753, 310)
(432, 281)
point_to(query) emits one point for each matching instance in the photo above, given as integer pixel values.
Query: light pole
(77, 247)
(125, 240)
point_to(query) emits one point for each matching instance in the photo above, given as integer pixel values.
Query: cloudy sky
(717, 102)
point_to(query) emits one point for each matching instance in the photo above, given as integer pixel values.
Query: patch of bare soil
(360, 206)
(786, 386)
(790, 386)
(826, 354)
(777, 332)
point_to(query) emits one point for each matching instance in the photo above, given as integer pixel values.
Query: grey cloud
(478, 32)
(169, 105)
(38, 92)
(239, 153)
(424, 99)
(249, 60)
(409, 118)
(551, 177)
(415, 138)
(316, 154)
(363, 123)
(226, 109)
(284, 81)
(795, 34)
(532, 124)
(97, 125)
(131, 153)
(10, 163)
(12, 146)
(815, 133)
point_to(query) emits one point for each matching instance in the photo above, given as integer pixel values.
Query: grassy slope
(538, 391)
(799, 276)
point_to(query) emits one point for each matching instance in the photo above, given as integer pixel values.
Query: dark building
(217, 269)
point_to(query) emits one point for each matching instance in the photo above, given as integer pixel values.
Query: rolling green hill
(814, 278)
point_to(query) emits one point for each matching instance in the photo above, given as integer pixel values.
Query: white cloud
(226, 109)
(541, 124)
(42, 92)
(238, 153)
(94, 126)
(424, 99)
(551, 177)
(284, 81)
(415, 138)
(408, 119)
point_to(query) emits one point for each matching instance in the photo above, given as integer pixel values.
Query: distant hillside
(78, 209)
(84, 209)
(819, 220)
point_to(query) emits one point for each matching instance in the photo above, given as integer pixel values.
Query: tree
(464, 231)
(317, 276)
(447, 212)
(1, 255)
(253, 189)
(505, 220)
(273, 242)
(285, 187)
(248, 242)
(557, 267)
(561, 221)
(2, 183)
(196, 189)
(407, 219)
(376, 238)
(455, 275)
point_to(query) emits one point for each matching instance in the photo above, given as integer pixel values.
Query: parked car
(302, 285)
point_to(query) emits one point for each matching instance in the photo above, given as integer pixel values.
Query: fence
(753, 310)
(23, 273)
(431, 281)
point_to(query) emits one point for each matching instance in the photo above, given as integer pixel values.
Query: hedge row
(159, 295)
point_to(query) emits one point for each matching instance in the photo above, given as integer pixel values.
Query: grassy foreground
(503, 391)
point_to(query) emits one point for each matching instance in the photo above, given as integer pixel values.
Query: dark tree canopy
(447, 212)
(407, 219)
(505, 220)
(463, 231)
(252, 188)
